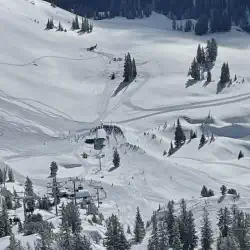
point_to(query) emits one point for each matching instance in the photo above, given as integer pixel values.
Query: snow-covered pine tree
(163, 235)
(153, 242)
(5, 228)
(8, 201)
(180, 137)
(20, 227)
(227, 243)
(46, 237)
(60, 27)
(225, 222)
(139, 229)
(30, 202)
(206, 232)
(72, 214)
(176, 244)
(10, 175)
(225, 73)
(14, 244)
(127, 74)
(213, 50)
(204, 191)
(202, 140)
(116, 158)
(128, 230)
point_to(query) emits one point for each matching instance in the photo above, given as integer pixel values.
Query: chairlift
(80, 187)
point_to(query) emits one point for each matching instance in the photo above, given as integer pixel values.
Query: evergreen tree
(225, 222)
(30, 202)
(116, 159)
(180, 137)
(114, 236)
(206, 232)
(5, 228)
(10, 175)
(14, 243)
(199, 56)
(20, 227)
(213, 50)
(225, 73)
(60, 28)
(163, 236)
(202, 140)
(134, 71)
(188, 26)
(176, 244)
(204, 191)
(192, 238)
(241, 155)
(170, 218)
(127, 68)
(17, 201)
(8, 201)
(209, 76)
(75, 23)
(128, 230)
(153, 242)
(227, 243)
(53, 169)
(235, 78)
(183, 224)
(201, 27)
(139, 229)
(210, 193)
(194, 70)
(171, 150)
(1, 177)
(46, 237)
(223, 189)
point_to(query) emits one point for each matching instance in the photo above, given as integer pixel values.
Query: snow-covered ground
(53, 91)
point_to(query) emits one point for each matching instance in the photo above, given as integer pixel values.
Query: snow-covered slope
(52, 91)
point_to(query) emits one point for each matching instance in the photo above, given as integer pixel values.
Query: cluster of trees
(86, 27)
(130, 71)
(50, 24)
(6, 172)
(213, 16)
(179, 232)
(205, 192)
(188, 25)
(204, 58)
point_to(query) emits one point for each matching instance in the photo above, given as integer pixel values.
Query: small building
(100, 140)
(84, 195)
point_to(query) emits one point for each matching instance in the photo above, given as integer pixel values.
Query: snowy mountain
(53, 92)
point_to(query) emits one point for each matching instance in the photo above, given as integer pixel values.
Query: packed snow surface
(52, 91)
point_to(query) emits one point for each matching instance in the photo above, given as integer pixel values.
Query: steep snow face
(53, 91)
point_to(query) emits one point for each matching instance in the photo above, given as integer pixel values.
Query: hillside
(53, 91)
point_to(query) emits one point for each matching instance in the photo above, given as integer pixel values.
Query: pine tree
(46, 237)
(5, 228)
(204, 191)
(227, 243)
(225, 73)
(223, 189)
(194, 70)
(60, 28)
(208, 51)
(241, 155)
(163, 236)
(170, 218)
(14, 243)
(128, 230)
(171, 150)
(134, 71)
(203, 56)
(206, 232)
(192, 238)
(1, 177)
(139, 229)
(209, 76)
(127, 68)
(235, 78)
(202, 140)
(225, 222)
(114, 236)
(180, 137)
(153, 242)
(183, 224)
(199, 56)
(213, 50)
(176, 244)
(29, 192)
(20, 227)
(116, 159)
(8, 201)
(10, 175)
